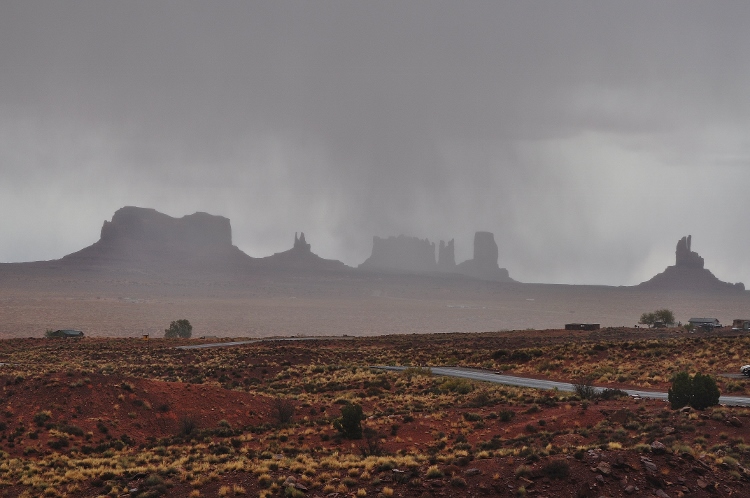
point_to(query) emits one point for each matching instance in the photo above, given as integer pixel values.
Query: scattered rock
(735, 422)
(650, 466)
(472, 472)
(604, 468)
(658, 448)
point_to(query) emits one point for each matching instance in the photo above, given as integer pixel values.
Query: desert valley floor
(129, 304)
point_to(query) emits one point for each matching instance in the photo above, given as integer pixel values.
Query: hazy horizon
(589, 138)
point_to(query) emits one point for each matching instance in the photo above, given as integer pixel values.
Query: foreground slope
(124, 417)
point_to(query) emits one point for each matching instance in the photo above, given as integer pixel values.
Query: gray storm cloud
(589, 137)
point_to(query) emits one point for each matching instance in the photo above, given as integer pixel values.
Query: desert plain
(134, 417)
(103, 302)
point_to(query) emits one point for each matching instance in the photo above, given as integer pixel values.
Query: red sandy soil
(143, 411)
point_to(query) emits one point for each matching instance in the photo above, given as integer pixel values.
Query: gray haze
(588, 136)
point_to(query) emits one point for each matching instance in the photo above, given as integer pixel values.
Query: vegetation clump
(229, 434)
(699, 391)
(663, 316)
(349, 424)
(179, 329)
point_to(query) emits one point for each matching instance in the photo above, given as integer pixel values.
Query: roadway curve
(482, 375)
(251, 341)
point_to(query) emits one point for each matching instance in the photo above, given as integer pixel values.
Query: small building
(66, 334)
(706, 323)
(582, 326)
(741, 324)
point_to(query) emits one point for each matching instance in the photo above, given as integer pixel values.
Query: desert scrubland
(116, 417)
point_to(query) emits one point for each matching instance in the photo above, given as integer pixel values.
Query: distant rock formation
(688, 273)
(140, 238)
(684, 257)
(446, 257)
(147, 236)
(300, 244)
(484, 265)
(401, 253)
(300, 258)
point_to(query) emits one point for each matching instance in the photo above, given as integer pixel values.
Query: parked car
(745, 370)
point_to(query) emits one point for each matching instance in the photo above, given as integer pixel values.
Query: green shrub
(705, 392)
(179, 328)
(350, 422)
(41, 417)
(456, 385)
(458, 482)
(612, 393)
(584, 388)
(556, 469)
(679, 393)
(700, 391)
(434, 472)
(507, 415)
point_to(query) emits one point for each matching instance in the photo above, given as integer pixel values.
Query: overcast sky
(588, 136)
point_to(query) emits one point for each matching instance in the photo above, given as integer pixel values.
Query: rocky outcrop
(146, 236)
(300, 258)
(686, 258)
(139, 238)
(402, 253)
(300, 244)
(150, 227)
(688, 273)
(484, 264)
(446, 257)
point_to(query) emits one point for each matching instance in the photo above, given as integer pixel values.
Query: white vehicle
(745, 370)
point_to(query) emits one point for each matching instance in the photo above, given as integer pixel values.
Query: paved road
(252, 341)
(482, 375)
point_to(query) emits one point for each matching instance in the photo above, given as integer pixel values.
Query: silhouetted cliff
(401, 253)
(140, 238)
(484, 264)
(148, 237)
(688, 273)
